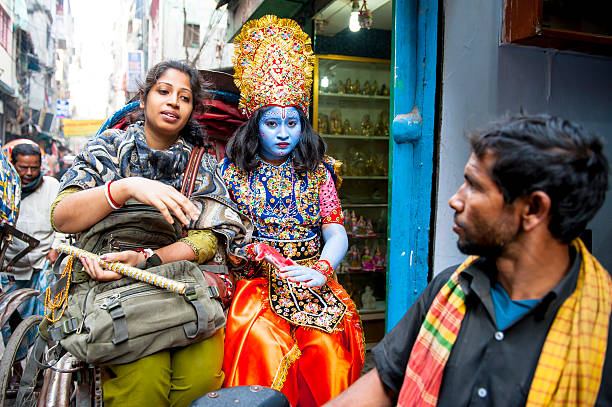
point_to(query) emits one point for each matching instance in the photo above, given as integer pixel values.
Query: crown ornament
(273, 64)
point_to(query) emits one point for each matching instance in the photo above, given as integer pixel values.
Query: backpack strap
(192, 171)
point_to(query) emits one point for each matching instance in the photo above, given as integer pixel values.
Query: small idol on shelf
(373, 88)
(356, 88)
(367, 263)
(346, 128)
(370, 229)
(354, 225)
(366, 126)
(347, 220)
(368, 301)
(361, 227)
(348, 86)
(380, 263)
(366, 88)
(354, 259)
(384, 91)
(336, 122)
(323, 124)
(341, 87)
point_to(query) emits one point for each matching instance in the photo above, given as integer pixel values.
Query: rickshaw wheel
(10, 367)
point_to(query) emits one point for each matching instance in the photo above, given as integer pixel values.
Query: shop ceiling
(333, 14)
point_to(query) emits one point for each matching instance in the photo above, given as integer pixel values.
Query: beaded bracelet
(251, 251)
(113, 204)
(147, 252)
(324, 267)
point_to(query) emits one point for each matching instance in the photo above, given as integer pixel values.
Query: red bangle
(324, 267)
(109, 197)
(251, 251)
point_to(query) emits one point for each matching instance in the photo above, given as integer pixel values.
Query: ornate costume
(281, 334)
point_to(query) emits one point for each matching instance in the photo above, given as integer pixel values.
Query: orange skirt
(308, 365)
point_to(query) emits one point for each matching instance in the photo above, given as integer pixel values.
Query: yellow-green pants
(173, 377)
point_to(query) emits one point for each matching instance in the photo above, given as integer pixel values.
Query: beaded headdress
(273, 63)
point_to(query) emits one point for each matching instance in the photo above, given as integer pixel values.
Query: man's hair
(553, 155)
(243, 146)
(24, 149)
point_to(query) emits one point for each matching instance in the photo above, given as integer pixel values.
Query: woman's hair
(243, 147)
(192, 132)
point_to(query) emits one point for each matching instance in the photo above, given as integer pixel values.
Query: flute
(124, 269)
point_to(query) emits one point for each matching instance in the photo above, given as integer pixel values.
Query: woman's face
(169, 104)
(279, 132)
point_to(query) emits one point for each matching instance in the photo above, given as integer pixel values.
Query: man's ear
(536, 211)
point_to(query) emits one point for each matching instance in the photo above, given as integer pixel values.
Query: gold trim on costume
(281, 373)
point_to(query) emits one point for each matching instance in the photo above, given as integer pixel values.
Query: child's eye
(271, 124)
(292, 123)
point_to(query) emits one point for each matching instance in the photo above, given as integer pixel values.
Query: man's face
(28, 168)
(483, 221)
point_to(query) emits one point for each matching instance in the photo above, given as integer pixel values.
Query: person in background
(525, 320)
(37, 195)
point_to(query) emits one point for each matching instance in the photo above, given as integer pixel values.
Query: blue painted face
(279, 132)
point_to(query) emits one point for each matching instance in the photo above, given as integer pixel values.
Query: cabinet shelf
(353, 96)
(351, 137)
(344, 273)
(364, 205)
(378, 177)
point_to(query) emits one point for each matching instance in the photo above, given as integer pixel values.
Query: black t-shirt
(486, 367)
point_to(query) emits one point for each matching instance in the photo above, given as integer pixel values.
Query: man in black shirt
(531, 186)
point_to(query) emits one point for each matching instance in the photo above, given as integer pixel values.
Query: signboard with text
(135, 70)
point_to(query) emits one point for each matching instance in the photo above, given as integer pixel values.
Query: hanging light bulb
(325, 82)
(354, 25)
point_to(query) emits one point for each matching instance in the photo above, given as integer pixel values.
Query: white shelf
(351, 137)
(353, 96)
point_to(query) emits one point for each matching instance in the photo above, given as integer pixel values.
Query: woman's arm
(80, 210)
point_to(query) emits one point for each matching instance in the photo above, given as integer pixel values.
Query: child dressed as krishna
(294, 329)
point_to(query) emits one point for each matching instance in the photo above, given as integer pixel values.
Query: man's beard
(487, 251)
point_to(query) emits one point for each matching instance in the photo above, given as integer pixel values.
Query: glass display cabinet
(351, 112)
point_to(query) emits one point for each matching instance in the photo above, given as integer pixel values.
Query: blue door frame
(413, 95)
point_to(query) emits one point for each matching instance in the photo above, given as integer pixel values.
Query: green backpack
(124, 320)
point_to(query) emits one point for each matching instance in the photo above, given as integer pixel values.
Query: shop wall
(482, 81)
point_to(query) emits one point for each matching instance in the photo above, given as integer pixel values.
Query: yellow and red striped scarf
(570, 365)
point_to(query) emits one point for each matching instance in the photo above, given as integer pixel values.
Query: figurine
(341, 87)
(357, 88)
(373, 88)
(361, 227)
(336, 122)
(348, 86)
(354, 259)
(347, 221)
(323, 124)
(379, 260)
(383, 90)
(370, 229)
(367, 263)
(368, 301)
(366, 126)
(366, 88)
(346, 128)
(353, 224)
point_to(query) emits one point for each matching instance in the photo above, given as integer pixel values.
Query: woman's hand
(95, 271)
(302, 274)
(163, 197)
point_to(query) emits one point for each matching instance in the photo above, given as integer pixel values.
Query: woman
(293, 329)
(146, 162)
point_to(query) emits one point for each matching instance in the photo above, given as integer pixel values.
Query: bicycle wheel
(10, 368)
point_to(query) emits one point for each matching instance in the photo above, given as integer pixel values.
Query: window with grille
(5, 29)
(191, 35)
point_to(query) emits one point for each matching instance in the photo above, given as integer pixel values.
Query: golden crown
(273, 63)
